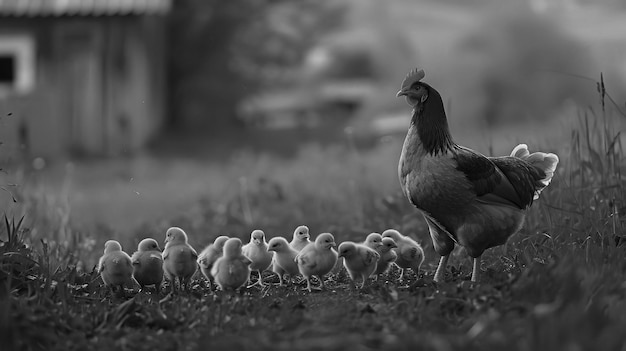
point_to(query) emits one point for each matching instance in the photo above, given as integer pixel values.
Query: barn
(81, 77)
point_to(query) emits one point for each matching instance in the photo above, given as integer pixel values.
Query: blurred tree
(222, 51)
(527, 66)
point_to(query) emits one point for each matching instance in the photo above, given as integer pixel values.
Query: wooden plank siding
(100, 86)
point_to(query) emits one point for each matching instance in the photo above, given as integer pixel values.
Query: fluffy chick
(410, 253)
(387, 256)
(232, 270)
(209, 255)
(300, 238)
(115, 267)
(373, 241)
(284, 261)
(360, 261)
(148, 264)
(317, 258)
(179, 258)
(256, 251)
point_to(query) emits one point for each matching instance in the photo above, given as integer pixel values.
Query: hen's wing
(504, 180)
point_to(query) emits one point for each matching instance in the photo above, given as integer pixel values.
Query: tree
(223, 51)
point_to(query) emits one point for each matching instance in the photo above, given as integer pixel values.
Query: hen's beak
(402, 92)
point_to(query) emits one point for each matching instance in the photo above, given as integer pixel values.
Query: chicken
(387, 256)
(373, 241)
(256, 251)
(179, 258)
(466, 198)
(300, 238)
(409, 253)
(209, 255)
(360, 260)
(232, 270)
(284, 261)
(148, 264)
(317, 258)
(115, 267)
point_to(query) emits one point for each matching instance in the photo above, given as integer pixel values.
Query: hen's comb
(414, 76)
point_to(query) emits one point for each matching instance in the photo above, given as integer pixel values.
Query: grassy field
(558, 284)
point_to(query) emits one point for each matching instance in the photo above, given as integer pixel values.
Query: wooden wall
(100, 87)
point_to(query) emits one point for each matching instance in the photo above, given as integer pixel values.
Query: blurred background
(124, 117)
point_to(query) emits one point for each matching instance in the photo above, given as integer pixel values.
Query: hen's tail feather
(546, 162)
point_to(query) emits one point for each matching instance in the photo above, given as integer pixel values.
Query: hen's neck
(432, 125)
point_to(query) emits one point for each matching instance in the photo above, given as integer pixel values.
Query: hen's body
(466, 198)
(452, 207)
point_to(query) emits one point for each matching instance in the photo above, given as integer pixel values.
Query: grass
(558, 284)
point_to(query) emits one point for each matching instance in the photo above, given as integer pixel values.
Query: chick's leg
(441, 269)
(280, 279)
(322, 286)
(258, 282)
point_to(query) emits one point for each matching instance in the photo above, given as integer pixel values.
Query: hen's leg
(476, 270)
(441, 269)
(443, 245)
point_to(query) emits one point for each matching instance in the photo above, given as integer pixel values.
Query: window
(17, 64)
(7, 69)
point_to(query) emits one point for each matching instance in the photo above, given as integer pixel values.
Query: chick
(360, 261)
(209, 255)
(179, 258)
(148, 264)
(410, 253)
(256, 251)
(284, 261)
(115, 267)
(317, 258)
(300, 238)
(373, 241)
(232, 270)
(387, 256)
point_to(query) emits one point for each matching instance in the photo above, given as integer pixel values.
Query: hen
(466, 198)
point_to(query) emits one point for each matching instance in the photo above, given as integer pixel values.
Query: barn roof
(38, 8)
